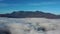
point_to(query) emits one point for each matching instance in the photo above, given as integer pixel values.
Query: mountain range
(30, 14)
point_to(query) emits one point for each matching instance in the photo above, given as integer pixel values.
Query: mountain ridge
(30, 14)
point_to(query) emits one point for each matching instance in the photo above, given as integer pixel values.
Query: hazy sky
(52, 6)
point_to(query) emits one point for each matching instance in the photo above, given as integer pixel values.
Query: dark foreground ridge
(30, 14)
(4, 30)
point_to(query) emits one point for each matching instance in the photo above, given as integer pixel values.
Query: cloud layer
(30, 25)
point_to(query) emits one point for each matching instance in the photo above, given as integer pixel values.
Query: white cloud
(16, 26)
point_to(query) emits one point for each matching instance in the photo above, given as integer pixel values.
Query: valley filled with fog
(29, 26)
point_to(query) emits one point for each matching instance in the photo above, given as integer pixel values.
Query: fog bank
(30, 25)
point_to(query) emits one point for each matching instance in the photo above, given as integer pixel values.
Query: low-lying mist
(29, 26)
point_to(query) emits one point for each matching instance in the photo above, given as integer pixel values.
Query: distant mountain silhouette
(30, 14)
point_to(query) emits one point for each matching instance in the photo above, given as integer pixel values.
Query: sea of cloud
(30, 25)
